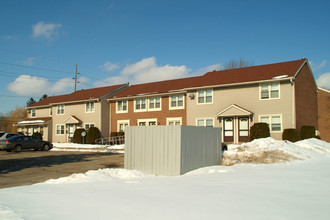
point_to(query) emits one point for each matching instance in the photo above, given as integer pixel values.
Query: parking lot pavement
(29, 167)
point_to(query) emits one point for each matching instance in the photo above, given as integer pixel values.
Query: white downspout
(293, 104)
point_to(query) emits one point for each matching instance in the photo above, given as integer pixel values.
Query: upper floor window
(176, 102)
(274, 122)
(90, 106)
(154, 103)
(270, 90)
(60, 109)
(122, 106)
(205, 96)
(51, 111)
(140, 105)
(33, 112)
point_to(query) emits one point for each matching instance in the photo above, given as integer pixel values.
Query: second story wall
(134, 117)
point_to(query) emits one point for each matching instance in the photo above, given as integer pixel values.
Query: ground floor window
(147, 122)
(174, 121)
(59, 129)
(88, 126)
(274, 122)
(122, 124)
(205, 122)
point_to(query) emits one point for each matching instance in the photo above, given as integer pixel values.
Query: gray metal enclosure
(171, 150)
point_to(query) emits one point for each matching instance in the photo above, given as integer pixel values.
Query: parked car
(5, 136)
(2, 133)
(18, 143)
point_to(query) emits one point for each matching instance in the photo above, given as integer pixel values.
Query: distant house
(284, 95)
(324, 114)
(57, 117)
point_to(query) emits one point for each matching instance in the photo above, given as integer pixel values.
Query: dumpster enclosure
(171, 150)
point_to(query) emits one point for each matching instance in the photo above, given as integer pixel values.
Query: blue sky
(116, 41)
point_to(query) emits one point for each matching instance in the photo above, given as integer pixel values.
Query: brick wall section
(324, 114)
(134, 116)
(306, 99)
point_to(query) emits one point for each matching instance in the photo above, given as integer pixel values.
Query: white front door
(70, 129)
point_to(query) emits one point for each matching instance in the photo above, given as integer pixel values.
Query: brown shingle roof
(223, 77)
(80, 95)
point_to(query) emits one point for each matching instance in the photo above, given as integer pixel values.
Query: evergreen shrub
(37, 135)
(290, 134)
(307, 131)
(92, 134)
(259, 130)
(77, 138)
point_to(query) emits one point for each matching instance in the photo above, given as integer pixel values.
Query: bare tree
(234, 64)
(7, 121)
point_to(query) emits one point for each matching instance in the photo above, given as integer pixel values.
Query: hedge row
(92, 134)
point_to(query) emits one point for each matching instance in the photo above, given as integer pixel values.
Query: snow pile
(88, 147)
(107, 174)
(268, 150)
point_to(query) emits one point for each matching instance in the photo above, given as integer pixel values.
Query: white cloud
(316, 67)
(147, 70)
(31, 85)
(44, 30)
(324, 81)
(108, 66)
(29, 61)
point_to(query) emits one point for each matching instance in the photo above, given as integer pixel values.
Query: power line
(38, 68)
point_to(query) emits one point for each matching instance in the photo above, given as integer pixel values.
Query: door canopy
(72, 120)
(235, 110)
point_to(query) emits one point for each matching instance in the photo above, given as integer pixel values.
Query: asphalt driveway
(29, 167)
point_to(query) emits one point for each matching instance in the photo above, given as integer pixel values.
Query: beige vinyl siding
(246, 97)
(78, 110)
(40, 112)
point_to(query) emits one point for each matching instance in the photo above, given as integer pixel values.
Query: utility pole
(76, 78)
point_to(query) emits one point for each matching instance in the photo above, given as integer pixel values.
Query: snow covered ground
(263, 179)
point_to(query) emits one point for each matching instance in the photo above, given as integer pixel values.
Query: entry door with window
(70, 131)
(243, 132)
(228, 127)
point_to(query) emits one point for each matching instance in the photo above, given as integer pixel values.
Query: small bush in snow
(92, 134)
(307, 131)
(259, 130)
(290, 134)
(77, 138)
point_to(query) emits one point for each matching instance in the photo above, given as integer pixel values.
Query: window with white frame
(270, 90)
(205, 122)
(154, 103)
(174, 121)
(274, 122)
(90, 106)
(147, 122)
(59, 129)
(122, 124)
(51, 111)
(60, 109)
(176, 102)
(140, 105)
(88, 126)
(33, 112)
(205, 96)
(122, 106)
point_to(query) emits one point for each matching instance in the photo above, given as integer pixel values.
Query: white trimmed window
(59, 129)
(51, 111)
(60, 109)
(140, 105)
(90, 106)
(33, 112)
(122, 106)
(205, 122)
(274, 122)
(121, 125)
(154, 103)
(177, 102)
(88, 126)
(174, 121)
(147, 122)
(270, 91)
(205, 96)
